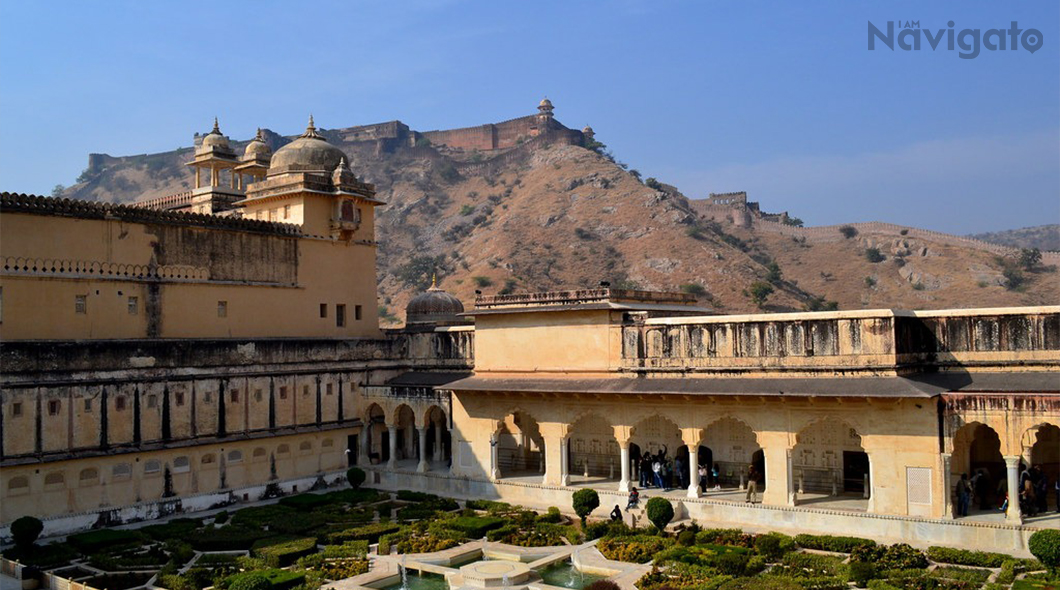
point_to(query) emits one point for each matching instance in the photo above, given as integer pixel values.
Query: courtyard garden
(304, 541)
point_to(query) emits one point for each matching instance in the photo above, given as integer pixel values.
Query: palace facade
(160, 359)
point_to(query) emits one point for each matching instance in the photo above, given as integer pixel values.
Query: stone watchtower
(544, 109)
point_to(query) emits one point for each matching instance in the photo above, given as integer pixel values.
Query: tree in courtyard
(25, 530)
(585, 501)
(355, 476)
(660, 512)
(758, 292)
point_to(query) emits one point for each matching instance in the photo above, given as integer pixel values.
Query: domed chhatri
(257, 147)
(215, 139)
(309, 153)
(434, 306)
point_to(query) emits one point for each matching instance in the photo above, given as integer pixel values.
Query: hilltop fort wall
(506, 134)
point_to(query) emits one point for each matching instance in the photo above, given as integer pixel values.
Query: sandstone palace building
(221, 347)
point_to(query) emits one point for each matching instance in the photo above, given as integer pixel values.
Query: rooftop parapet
(37, 205)
(603, 298)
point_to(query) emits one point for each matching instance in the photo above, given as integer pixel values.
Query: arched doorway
(732, 446)
(405, 421)
(656, 434)
(439, 440)
(977, 454)
(1044, 458)
(374, 436)
(592, 450)
(520, 446)
(831, 465)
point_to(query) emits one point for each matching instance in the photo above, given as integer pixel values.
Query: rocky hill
(1042, 237)
(539, 214)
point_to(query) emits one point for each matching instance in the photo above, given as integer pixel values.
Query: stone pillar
(779, 476)
(439, 452)
(623, 483)
(392, 431)
(423, 466)
(947, 486)
(364, 444)
(1012, 464)
(198, 177)
(693, 471)
(564, 468)
(789, 468)
(495, 464)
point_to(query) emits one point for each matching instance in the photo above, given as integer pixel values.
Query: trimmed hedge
(895, 557)
(282, 553)
(179, 528)
(370, 533)
(96, 541)
(359, 496)
(834, 543)
(633, 549)
(475, 527)
(306, 502)
(278, 579)
(734, 537)
(966, 557)
(229, 538)
(43, 556)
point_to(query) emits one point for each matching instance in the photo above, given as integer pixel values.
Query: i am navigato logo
(911, 37)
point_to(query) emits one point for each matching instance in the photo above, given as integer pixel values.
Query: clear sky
(781, 99)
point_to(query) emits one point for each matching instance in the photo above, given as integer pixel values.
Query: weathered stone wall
(86, 425)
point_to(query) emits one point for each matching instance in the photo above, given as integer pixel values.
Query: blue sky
(781, 99)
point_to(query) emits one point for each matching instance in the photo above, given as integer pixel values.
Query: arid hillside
(545, 216)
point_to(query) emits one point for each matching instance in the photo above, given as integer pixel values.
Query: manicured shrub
(802, 565)
(282, 553)
(755, 565)
(734, 537)
(893, 557)
(229, 538)
(761, 583)
(966, 557)
(95, 541)
(369, 532)
(633, 549)
(832, 543)
(490, 505)
(553, 515)
(354, 497)
(774, 545)
(356, 477)
(275, 579)
(732, 564)
(1045, 545)
(860, 573)
(43, 556)
(475, 527)
(306, 502)
(585, 501)
(250, 581)
(25, 531)
(686, 538)
(660, 512)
